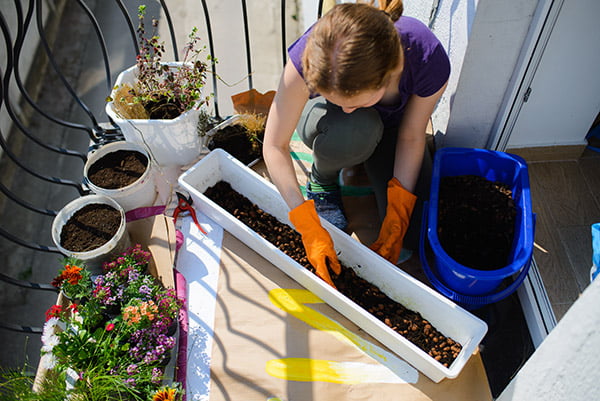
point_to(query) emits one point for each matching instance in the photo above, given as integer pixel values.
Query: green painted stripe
(347, 190)
(296, 137)
(307, 157)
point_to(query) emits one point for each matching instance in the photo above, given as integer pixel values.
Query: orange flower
(165, 394)
(72, 274)
(131, 315)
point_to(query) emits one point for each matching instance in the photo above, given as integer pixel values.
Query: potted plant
(74, 280)
(123, 171)
(158, 104)
(91, 228)
(86, 355)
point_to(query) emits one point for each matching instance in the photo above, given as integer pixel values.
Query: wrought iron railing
(47, 133)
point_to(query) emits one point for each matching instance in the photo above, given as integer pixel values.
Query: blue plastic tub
(461, 283)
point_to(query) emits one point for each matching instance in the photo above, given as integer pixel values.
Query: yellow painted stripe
(391, 369)
(318, 370)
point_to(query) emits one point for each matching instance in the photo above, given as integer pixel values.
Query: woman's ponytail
(393, 8)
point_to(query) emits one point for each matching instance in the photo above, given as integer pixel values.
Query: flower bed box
(156, 234)
(446, 316)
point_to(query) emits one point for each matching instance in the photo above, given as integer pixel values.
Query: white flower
(49, 343)
(48, 361)
(49, 326)
(49, 337)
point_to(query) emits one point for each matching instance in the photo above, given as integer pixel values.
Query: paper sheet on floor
(198, 261)
(256, 334)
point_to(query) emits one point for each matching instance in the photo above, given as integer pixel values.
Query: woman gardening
(359, 87)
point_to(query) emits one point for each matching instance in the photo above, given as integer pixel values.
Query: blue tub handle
(468, 301)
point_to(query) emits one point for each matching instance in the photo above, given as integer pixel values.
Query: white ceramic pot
(110, 250)
(171, 142)
(140, 193)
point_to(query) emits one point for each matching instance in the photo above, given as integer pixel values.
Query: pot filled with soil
(241, 136)
(91, 228)
(172, 141)
(480, 225)
(123, 171)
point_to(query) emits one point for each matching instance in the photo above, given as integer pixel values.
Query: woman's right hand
(317, 241)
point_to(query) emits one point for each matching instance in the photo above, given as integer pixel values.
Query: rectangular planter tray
(450, 319)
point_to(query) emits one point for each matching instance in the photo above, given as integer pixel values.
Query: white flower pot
(140, 193)
(108, 251)
(171, 142)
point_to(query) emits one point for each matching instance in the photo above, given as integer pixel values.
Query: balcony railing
(60, 62)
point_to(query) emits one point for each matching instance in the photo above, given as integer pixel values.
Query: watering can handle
(453, 295)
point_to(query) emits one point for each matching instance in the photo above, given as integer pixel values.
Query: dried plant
(254, 124)
(255, 128)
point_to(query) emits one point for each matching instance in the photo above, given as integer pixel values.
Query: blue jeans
(341, 140)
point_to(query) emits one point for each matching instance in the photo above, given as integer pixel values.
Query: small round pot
(140, 193)
(93, 259)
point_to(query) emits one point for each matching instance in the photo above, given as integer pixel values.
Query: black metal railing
(48, 123)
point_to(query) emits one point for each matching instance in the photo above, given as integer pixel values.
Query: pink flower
(110, 326)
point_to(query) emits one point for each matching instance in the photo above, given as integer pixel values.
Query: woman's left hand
(399, 209)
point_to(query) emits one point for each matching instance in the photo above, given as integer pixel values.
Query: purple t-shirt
(426, 65)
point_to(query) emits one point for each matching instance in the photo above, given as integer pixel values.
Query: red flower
(53, 311)
(110, 326)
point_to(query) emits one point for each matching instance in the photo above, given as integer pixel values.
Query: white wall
(495, 41)
(566, 366)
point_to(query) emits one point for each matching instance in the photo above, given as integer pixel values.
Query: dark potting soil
(90, 227)
(476, 221)
(234, 140)
(162, 109)
(118, 169)
(407, 323)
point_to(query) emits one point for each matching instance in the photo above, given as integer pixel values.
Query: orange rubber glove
(317, 241)
(400, 205)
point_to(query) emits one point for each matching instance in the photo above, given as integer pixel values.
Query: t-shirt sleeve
(295, 51)
(429, 62)
(433, 74)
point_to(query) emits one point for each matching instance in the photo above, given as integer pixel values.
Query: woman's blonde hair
(352, 48)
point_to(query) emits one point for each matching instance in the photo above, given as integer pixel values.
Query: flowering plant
(120, 356)
(132, 263)
(73, 280)
(161, 91)
(139, 313)
(169, 305)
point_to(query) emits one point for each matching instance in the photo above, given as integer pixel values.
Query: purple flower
(150, 345)
(157, 374)
(144, 289)
(132, 369)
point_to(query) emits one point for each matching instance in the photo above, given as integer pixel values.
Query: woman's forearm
(412, 138)
(284, 114)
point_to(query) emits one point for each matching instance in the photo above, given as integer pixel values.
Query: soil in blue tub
(476, 221)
